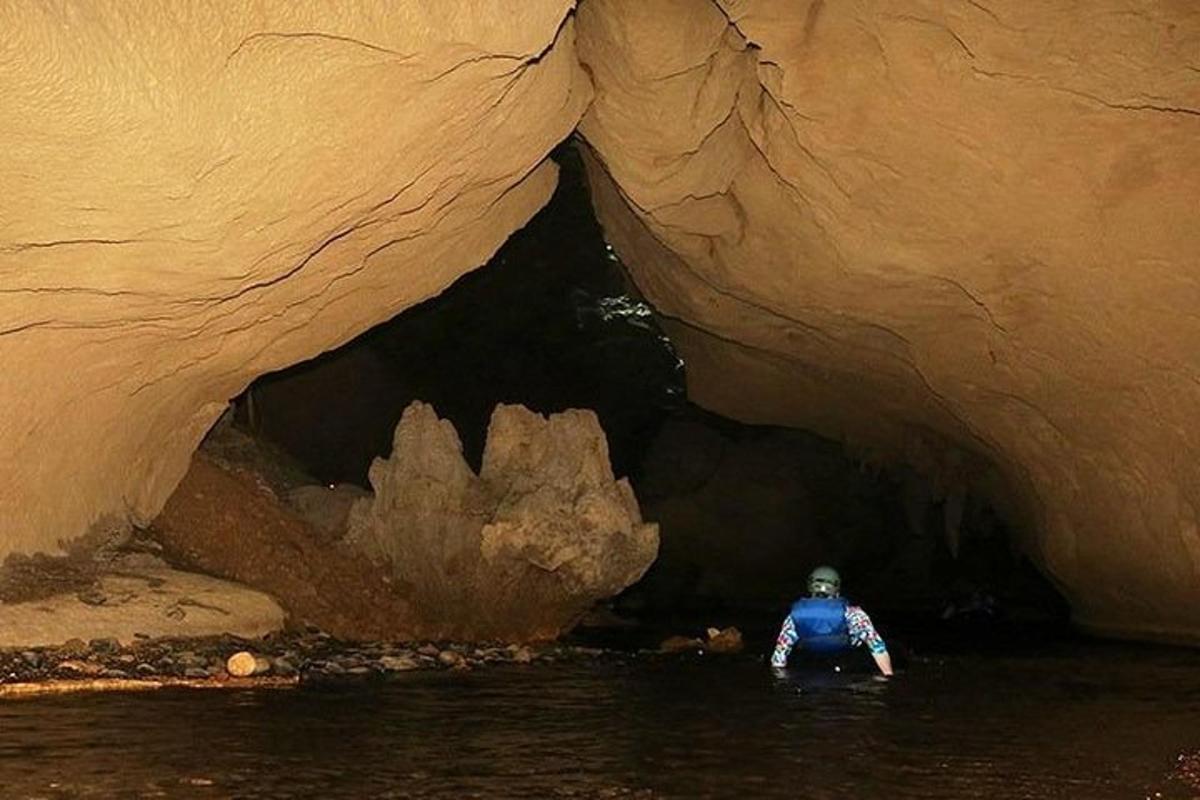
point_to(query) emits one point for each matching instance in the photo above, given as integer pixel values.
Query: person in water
(824, 622)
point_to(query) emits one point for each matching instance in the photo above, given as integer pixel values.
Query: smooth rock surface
(151, 604)
(198, 193)
(519, 552)
(959, 235)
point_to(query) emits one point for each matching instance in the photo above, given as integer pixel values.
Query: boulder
(520, 551)
(724, 640)
(127, 607)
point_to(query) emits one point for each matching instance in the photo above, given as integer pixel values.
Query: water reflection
(1072, 725)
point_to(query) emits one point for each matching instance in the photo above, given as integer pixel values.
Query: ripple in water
(1089, 723)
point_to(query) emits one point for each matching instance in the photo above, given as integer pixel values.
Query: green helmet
(824, 582)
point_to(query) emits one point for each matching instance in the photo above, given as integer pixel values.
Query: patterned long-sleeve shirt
(858, 626)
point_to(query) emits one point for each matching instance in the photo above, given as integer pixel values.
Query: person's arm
(862, 632)
(784, 643)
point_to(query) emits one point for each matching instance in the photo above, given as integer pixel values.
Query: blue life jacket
(821, 624)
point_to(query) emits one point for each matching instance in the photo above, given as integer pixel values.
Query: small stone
(522, 655)
(115, 673)
(398, 663)
(80, 667)
(145, 669)
(281, 666)
(429, 650)
(105, 645)
(450, 658)
(243, 664)
(195, 672)
(728, 640)
(190, 659)
(32, 658)
(126, 658)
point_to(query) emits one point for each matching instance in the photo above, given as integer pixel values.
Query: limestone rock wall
(197, 193)
(961, 234)
(518, 552)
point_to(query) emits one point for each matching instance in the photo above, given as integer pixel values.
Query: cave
(1012, 324)
(552, 322)
(527, 357)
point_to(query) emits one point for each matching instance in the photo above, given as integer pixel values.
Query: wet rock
(77, 667)
(450, 658)
(74, 646)
(728, 640)
(243, 664)
(283, 666)
(310, 658)
(190, 659)
(521, 655)
(541, 534)
(398, 663)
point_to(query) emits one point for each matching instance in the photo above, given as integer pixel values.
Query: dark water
(1074, 722)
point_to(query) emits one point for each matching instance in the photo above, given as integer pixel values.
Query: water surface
(1079, 721)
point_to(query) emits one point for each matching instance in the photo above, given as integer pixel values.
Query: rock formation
(963, 235)
(196, 194)
(518, 552)
(228, 522)
(958, 234)
(129, 607)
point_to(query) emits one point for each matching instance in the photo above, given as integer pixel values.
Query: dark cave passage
(553, 322)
